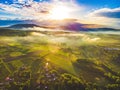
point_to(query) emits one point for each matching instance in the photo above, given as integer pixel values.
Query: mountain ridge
(67, 26)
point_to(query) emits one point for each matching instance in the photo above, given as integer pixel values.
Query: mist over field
(33, 59)
(59, 45)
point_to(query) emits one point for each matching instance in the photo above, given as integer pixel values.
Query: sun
(59, 13)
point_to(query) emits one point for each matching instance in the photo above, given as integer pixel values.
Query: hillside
(70, 26)
(40, 60)
(20, 26)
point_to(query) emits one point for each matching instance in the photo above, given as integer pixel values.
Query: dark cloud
(45, 12)
(110, 14)
(106, 12)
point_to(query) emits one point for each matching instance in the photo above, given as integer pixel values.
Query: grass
(19, 48)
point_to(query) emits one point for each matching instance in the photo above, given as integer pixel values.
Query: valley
(59, 60)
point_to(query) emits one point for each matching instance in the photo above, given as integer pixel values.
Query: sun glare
(59, 13)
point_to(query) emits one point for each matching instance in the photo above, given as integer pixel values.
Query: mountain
(74, 26)
(103, 29)
(20, 26)
(63, 25)
(7, 23)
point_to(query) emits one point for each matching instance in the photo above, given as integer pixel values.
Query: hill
(20, 26)
(40, 60)
(70, 26)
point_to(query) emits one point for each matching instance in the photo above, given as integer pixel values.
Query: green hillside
(58, 60)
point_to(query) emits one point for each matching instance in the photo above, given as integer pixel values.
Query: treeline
(10, 32)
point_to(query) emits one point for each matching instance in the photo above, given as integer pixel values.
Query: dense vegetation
(50, 60)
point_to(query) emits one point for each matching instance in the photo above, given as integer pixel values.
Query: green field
(59, 60)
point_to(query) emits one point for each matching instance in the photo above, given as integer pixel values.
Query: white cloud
(35, 10)
(107, 12)
(104, 16)
(25, 1)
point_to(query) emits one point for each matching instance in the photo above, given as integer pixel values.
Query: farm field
(59, 60)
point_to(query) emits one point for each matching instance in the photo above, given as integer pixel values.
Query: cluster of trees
(105, 71)
(113, 78)
(51, 80)
(19, 80)
(48, 80)
(9, 32)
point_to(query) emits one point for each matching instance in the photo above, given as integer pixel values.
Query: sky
(104, 12)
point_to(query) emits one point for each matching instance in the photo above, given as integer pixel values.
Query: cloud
(105, 16)
(107, 12)
(32, 10)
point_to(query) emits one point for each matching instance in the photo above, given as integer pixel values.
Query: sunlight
(59, 13)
